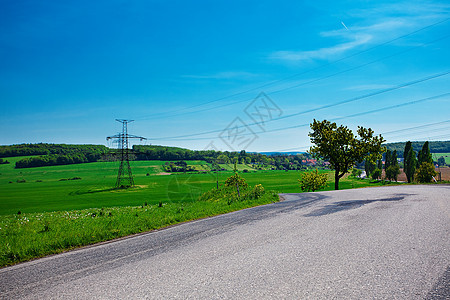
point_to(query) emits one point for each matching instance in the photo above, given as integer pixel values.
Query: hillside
(435, 147)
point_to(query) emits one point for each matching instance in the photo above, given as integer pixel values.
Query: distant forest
(62, 154)
(435, 147)
(278, 162)
(53, 154)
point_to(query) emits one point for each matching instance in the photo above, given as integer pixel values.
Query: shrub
(376, 174)
(392, 172)
(230, 193)
(257, 191)
(425, 172)
(356, 172)
(312, 181)
(236, 180)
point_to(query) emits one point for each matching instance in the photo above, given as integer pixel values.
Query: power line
(317, 109)
(305, 83)
(302, 73)
(394, 131)
(334, 119)
(124, 175)
(416, 127)
(419, 132)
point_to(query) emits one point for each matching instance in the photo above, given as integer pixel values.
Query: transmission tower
(124, 176)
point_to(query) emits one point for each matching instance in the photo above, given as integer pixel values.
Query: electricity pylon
(124, 176)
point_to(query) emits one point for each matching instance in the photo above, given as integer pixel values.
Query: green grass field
(47, 189)
(51, 209)
(445, 155)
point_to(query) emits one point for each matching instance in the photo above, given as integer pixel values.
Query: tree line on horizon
(63, 154)
(53, 154)
(435, 147)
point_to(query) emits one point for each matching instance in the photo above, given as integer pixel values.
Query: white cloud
(322, 53)
(369, 27)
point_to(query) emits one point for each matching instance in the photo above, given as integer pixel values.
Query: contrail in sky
(344, 25)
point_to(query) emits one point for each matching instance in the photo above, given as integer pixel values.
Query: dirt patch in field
(445, 174)
(142, 186)
(162, 173)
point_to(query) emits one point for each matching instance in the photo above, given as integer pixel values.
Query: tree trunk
(336, 180)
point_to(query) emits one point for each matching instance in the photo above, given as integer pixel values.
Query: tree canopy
(342, 148)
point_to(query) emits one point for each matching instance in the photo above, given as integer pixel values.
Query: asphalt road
(374, 243)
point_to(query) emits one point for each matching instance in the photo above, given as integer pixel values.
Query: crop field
(82, 186)
(47, 210)
(90, 185)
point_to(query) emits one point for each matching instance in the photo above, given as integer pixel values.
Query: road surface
(373, 243)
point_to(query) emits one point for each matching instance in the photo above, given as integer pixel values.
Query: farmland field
(445, 155)
(47, 210)
(81, 186)
(58, 187)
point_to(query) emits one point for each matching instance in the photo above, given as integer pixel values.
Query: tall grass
(26, 236)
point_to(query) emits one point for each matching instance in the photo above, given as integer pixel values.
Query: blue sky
(225, 75)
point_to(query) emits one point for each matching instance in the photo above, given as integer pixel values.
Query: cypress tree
(410, 166)
(424, 154)
(388, 160)
(394, 161)
(408, 147)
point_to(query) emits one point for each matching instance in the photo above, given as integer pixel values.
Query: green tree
(388, 159)
(312, 181)
(340, 147)
(394, 161)
(222, 159)
(408, 147)
(410, 165)
(376, 174)
(441, 161)
(356, 172)
(369, 167)
(424, 155)
(392, 172)
(425, 172)
(236, 181)
(380, 164)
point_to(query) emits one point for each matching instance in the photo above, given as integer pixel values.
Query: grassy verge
(31, 235)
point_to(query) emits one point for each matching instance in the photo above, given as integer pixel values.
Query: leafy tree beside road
(425, 170)
(342, 148)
